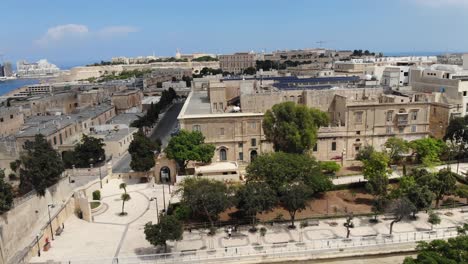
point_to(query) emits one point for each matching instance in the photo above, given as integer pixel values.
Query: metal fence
(277, 251)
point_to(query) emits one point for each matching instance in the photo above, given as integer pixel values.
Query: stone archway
(165, 175)
(253, 155)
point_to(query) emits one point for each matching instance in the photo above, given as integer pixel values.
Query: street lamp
(157, 209)
(50, 219)
(38, 246)
(164, 199)
(100, 175)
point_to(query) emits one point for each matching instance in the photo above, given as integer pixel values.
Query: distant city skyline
(75, 33)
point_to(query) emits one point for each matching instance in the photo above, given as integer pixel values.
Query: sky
(71, 33)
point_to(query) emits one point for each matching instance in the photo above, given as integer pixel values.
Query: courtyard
(114, 236)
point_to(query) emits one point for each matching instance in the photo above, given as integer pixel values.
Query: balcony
(402, 119)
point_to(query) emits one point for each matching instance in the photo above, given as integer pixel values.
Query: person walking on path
(229, 232)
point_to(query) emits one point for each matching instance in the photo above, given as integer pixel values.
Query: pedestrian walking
(229, 232)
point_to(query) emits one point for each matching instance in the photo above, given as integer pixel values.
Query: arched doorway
(253, 155)
(165, 175)
(222, 154)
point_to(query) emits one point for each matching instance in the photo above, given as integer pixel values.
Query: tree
(400, 208)
(206, 197)
(462, 192)
(279, 169)
(453, 251)
(294, 199)
(365, 153)
(189, 146)
(142, 150)
(168, 229)
(6, 194)
(329, 167)
(376, 173)
(255, 197)
(89, 150)
(427, 150)
(349, 224)
(457, 134)
(41, 166)
(125, 198)
(250, 71)
(293, 128)
(421, 197)
(123, 186)
(433, 219)
(397, 148)
(444, 184)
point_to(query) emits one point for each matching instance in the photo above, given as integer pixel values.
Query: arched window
(222, 154)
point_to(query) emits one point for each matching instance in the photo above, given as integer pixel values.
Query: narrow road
(163, 131)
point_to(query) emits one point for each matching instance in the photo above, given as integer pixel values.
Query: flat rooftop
(125, 118)
(198, 104)
(115, 135)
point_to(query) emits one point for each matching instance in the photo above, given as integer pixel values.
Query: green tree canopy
(255, 197)
(400, 208)
(250, 71)
(89, 150)
(293, 128)
(279, 169)
(441, 183)
(41, 166)
(142, 150)
(6, 193)
(365, 153)
(428, 150)
(294, 198)
(168, 229)
(453, 251)
(207, 197)
(189, 146)
(376, 173)
(398, 147)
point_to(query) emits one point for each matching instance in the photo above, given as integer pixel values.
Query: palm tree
(123, 186)
(125, 197)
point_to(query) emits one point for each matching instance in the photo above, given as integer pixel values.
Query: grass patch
(95, 204)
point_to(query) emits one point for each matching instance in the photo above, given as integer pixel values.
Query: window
(241, 145)
(221, 131)
(358, 132)
(55, 141)
(464, 93)
(60, 137)
(358, 117)
(253, 142)
(389, 116)
(405, 74)
(413, 129)
(215, 106)
(221, 106)
(1, 119)
(414, 115)
(222, 154)
(401, 130)
(253, 125)
(196, 128)
(241, 155)
(333, 146)
(315, 147)
(389, 130)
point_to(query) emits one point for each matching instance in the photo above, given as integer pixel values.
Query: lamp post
(100, 175)
(50, 219)
(157, 209)
(164, 199)
(343, 153)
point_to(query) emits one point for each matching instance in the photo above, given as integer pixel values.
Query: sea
(9, 85)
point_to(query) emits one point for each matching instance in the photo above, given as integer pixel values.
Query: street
(163, 131)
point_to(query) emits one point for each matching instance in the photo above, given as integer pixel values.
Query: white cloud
(117, 31)
(442, 3)
(72, 32)
(62, 32)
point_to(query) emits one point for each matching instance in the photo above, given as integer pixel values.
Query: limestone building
(237, 62)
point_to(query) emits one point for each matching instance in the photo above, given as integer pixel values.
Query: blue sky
(73, 32)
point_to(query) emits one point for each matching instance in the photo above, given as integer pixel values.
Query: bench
(188, 252)
(58, 231)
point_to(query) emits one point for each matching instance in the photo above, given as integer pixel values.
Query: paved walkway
(113, 236)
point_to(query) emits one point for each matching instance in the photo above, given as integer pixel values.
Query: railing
(277, 251)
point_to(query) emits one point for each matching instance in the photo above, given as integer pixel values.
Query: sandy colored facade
(358, 117)
(11, 120)
(126, 100)
(237, 62)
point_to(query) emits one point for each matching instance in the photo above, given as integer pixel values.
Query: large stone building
(229, 113)
(127, 101)
(237, 62)
(11, 120)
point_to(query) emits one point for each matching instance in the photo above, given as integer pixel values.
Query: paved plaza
(111, 235)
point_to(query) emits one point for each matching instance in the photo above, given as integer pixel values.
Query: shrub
(263, 231)
(182, 212)
(97, 195)
(304, 224)
(329, 166)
